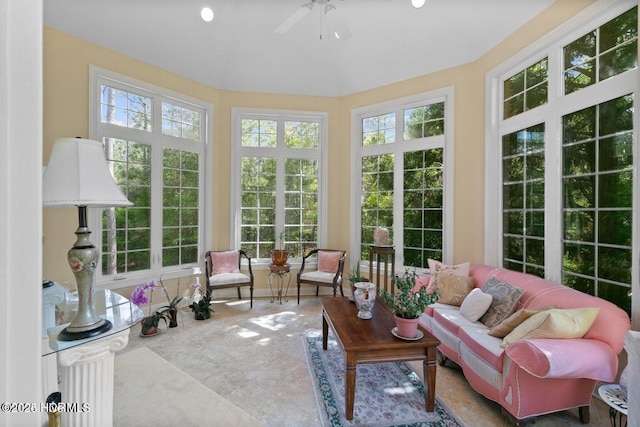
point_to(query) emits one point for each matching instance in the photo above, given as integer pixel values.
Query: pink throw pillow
(328, 261)
(436, 268)
(422, 281)
(225, 262)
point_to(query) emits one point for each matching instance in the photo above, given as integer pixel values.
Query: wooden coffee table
(371, 341)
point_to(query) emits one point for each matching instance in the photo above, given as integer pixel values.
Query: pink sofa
(537, 376)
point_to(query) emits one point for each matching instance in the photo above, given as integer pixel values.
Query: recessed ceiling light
(417, 3)
(206, 14)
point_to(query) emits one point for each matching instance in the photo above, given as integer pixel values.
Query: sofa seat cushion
(318, 276)
(450, 318)
(486, 347)
(228, 278)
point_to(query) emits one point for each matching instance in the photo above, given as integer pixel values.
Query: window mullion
(156, 206)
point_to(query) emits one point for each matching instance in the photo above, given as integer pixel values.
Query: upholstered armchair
(223, 271)
(328, 273)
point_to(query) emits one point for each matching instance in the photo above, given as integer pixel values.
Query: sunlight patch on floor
(276, 321)
(405, 388)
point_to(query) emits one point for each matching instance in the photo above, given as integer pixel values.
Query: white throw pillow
(475, 305)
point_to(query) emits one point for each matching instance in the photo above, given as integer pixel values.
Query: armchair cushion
(228, 278)
(224, 262)
(328, 261)
(318, 276)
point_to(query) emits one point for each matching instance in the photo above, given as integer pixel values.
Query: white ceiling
(239, 50)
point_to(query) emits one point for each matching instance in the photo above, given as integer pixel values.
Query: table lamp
(78, 175)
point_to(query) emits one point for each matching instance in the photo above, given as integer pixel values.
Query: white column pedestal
(86, 373)
(632, 345)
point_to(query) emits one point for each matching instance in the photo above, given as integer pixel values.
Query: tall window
(155, 145)
(401, 153)
(597, 199)
(566, 171)
(523, 196)
(278, 181)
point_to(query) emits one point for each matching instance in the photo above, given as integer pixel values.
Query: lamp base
(72, 334)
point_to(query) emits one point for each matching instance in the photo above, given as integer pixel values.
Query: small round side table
(612, 395)
(280, 273)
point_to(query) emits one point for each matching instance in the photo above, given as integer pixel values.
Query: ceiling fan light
(417, 3)
(206, 14)
(343, 34)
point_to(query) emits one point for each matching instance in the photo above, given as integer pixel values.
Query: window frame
(551, 115)
(399, 147)
(99, 76)
(238, 151)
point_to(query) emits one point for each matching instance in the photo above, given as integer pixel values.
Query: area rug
(150, 391)
(387, 394)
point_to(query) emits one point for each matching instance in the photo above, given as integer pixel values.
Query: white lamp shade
(78, 175)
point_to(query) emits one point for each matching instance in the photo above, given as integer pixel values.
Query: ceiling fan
(335, 24)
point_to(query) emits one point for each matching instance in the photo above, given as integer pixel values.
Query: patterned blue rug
(387, 394)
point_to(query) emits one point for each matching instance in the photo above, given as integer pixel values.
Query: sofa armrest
(565, 358)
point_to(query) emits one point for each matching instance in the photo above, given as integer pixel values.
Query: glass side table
(612, 395)
(83, 370)
(279, 273)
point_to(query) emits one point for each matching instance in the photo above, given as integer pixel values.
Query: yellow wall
(66, 64)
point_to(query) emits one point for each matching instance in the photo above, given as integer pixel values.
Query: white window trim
(446, 95)
(237, 114)
(96, 74)
(551, 45)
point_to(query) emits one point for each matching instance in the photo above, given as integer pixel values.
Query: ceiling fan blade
(294, 18)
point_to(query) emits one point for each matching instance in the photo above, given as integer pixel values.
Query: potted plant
(354, 276)
(168, 312)
(150, 323)
(202, 308)
(407, 303)
(172, 311)
(279, 256)
(172, 306)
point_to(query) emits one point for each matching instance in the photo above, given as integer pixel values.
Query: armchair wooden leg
(317, 290)
(251, 297)
(239, 294)
(298, 293)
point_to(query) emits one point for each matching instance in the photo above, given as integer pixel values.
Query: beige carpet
(149, 391)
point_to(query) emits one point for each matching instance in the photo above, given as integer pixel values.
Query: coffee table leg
(349, 384)
(429, 366)
(325, 331)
